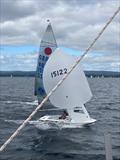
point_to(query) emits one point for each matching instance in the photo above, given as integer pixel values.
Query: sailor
(64, 115)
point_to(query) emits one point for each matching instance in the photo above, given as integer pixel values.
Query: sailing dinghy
(71, 95)
(47, 46)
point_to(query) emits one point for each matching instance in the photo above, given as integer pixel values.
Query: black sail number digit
(65, 70)
(59, 72)
(55, 73)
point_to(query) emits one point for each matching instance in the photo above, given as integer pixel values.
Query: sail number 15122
(58, 72)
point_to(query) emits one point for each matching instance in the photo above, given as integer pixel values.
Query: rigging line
(58, 84)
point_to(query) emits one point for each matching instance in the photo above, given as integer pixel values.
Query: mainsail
(47, 46)
(75, 90)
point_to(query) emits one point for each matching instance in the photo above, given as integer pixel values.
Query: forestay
(74, 90)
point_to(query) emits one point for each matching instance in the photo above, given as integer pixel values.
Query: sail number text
(58, 72)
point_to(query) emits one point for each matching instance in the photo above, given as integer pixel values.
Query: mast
(47, 46)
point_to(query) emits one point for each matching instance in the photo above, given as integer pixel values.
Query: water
(17, 102)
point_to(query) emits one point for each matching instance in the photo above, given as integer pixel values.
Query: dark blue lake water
(17, 102)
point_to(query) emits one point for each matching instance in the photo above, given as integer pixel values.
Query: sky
(75, 23)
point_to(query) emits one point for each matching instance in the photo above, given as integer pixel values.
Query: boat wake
(35, 102)
(45, 125)
(14, 121)
(38, 124)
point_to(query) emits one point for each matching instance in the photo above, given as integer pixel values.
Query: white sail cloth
(74, 90)
(47, 46)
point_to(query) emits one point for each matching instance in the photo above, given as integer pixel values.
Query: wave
(46, 125)
(35, 102)
(37, 124)
(15, 121)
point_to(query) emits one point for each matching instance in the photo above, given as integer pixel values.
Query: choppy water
(17, 102)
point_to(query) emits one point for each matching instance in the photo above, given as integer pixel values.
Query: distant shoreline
(32, 74)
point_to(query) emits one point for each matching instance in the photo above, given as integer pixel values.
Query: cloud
(14, 9)
(75, 24)
(26, 61)
(100, 62)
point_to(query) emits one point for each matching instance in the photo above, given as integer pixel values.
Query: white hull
(63, 123)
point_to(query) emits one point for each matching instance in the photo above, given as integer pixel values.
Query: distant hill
(102, 74)
(17, 73)
(32, 74)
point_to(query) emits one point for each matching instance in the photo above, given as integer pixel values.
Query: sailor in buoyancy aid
(64, 115)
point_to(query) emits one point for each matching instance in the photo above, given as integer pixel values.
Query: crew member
(64, 115)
